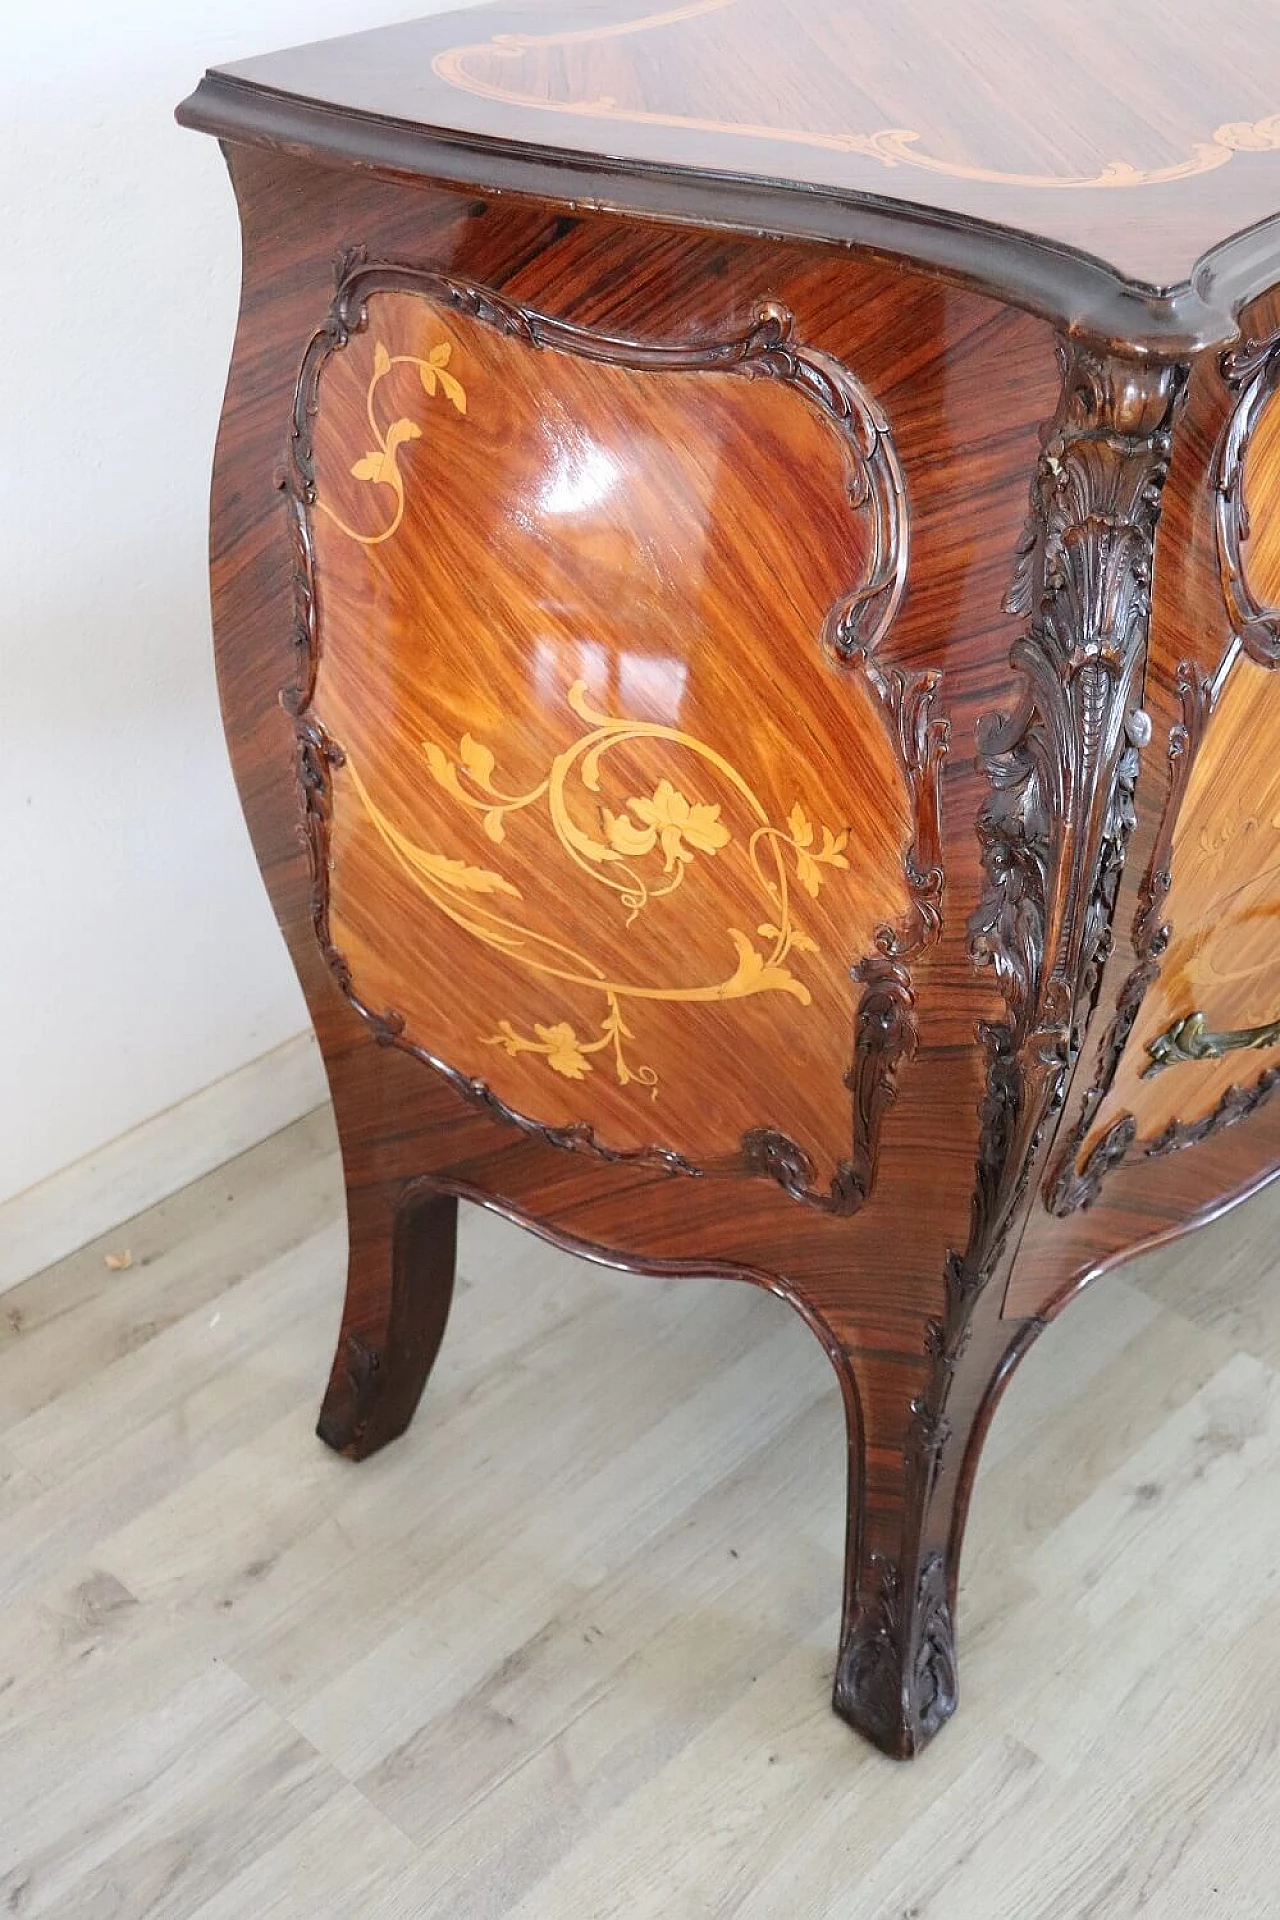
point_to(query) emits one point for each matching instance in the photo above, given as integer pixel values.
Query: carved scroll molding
(1054, 833)
(1236, 1104)
(885, 1031)
(1064, 764)
(884, 1028)
(1074, 1186)
(1252, 371)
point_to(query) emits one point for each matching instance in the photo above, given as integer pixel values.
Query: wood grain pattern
(618, 543)
(1061, 645)
(1148, 174)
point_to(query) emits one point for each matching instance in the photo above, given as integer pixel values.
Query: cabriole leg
(402, 1242)
(914, 1444)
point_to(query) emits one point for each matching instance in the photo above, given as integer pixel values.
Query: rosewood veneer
(745, 574)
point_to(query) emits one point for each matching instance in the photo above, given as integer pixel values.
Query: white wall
(139, 959)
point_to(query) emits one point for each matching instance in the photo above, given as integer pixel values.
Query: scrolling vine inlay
(663, 824)
(671, 824)
(461, 66)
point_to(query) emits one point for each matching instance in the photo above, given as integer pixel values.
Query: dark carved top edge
(1073, 290)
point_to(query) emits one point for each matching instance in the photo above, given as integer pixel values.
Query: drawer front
(617, 818)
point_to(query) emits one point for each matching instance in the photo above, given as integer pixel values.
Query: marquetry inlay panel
(578, 850)
(575, 73)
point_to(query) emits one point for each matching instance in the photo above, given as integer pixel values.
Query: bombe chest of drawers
(746, 569)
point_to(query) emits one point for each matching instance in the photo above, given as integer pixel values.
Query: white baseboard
(146, 1165)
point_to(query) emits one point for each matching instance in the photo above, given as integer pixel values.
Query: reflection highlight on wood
(512, 860)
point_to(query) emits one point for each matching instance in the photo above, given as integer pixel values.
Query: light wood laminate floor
(565, 1651)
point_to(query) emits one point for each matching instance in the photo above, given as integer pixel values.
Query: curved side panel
(566, 847)
(967, 388)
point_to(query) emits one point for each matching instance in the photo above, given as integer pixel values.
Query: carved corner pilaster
(1054, 833)
(1252, 372)
(1073, 1184)
(1063, 766)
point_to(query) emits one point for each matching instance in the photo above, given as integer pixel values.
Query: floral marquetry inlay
(380, 467)
(513, 68)
(567, 847)
(641, 855)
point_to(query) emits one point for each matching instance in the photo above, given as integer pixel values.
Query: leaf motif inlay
(667, 827)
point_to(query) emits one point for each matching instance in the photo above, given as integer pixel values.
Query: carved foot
(399, 1286)
(896, 1676)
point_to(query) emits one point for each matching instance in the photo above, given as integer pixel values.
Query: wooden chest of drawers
(745, 537)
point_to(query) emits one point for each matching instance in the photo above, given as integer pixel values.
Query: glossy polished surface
(557, 601)
(603, 628)
(960, 105)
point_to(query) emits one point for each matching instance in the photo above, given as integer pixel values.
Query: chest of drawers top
(1115, 169)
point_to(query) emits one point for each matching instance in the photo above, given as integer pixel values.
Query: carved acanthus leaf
(1054, 832)
(898, 1670)
(1076, 1185)
(1253, 371)
(1062, 767)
